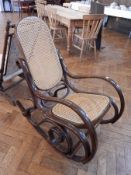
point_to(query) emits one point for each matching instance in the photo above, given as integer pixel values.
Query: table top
(78, 6)
(69, 13)
(117, 12)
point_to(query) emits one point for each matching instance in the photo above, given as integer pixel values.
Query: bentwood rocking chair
(68, 116)
(9, 68)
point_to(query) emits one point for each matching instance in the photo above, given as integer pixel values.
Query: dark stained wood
(69, 140)
(22, 149)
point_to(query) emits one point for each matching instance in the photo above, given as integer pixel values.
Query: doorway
(5, 5)
(1, 6)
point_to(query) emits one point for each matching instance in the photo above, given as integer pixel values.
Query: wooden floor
(24, 152)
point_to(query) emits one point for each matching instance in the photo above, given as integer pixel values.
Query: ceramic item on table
(129, 8)
(113, 4)
(123, 7)
(117, 7)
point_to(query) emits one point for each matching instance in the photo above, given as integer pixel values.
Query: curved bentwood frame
(76, 142)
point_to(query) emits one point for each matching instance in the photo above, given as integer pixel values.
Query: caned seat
(62, 113)
(93, 105)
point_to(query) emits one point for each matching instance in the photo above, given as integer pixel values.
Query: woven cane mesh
(93, 105)
(40, 52)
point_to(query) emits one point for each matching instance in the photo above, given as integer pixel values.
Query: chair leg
(94, 43)
(130, 34)
(44, 18)
(61, 33)
(87, 46)
(20, 13)
(66, 34)
(54, 33)
(82, 48)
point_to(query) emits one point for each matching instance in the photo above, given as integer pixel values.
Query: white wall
(1, 6)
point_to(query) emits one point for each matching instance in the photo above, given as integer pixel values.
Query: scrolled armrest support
(87, 123)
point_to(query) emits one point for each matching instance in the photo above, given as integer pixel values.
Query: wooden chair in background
(40, 7)
(58, 30)
(26, 6)
(86, 39)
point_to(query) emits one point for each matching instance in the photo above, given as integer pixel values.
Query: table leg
(130, 34)
(69, 39)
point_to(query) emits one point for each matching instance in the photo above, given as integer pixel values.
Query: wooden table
(117, 12)
(71, 19)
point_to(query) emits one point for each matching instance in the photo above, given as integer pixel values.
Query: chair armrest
(118, 111)
(109, 81)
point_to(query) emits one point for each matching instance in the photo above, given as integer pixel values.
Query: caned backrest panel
(40, 52)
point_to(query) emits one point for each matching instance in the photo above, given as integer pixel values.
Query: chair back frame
(34, 35)
(91, 26)
(52, 16)
(40, 6)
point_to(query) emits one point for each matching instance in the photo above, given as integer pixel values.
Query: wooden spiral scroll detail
(61, 136)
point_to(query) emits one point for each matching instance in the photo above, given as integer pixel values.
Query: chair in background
(40, 7)
(9, 68)
(86, 39)
(58, 30)
(63, 114)
(98, 8)
(23, 6)
(26, 6)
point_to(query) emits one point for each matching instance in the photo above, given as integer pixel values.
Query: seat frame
(60, 131)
